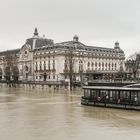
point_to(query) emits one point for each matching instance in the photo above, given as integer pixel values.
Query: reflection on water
(52, 115)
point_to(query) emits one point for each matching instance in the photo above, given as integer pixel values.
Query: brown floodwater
(35, 114)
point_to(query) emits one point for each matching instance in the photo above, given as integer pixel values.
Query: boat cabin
(118, 97)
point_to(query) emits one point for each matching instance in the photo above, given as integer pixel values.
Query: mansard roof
(76, 45)
(95, 48)
(10, 52)
(99, 48)
(37, 41)
(81, 46)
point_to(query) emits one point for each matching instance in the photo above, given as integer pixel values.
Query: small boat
(114, 97)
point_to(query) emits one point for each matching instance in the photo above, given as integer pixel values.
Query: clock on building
(25, 53)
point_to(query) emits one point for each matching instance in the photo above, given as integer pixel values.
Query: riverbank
(39, 85)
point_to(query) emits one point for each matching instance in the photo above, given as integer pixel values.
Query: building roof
(76, 45)
(37, 41)
(14, 51)
(81, 46)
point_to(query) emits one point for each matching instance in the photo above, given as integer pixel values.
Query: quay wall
(41, 86)
(57, 86)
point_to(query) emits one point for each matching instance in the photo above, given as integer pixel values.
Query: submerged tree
(69, 66)
(120, 74)
(71, 57)
(11, 70)
(15, 72)
(81, 72)
(7, 73)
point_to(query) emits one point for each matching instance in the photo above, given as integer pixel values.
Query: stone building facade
(40, 59)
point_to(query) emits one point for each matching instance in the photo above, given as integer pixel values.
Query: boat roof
(137, 85)
(111, 88)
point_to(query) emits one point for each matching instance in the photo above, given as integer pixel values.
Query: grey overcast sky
(96, 22)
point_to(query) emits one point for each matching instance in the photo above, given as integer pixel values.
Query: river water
(27, 114)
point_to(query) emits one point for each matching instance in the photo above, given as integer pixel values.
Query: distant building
(40, 59)
(132, 66)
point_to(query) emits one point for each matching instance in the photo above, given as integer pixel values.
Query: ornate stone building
(40, 59)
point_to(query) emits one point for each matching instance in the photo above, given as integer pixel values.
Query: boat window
(97, 94)
(115, 95)
(92, 94)
(139, 95)
(122, 94)
(110, 94)
(133, 94)
(127, 95)
(103, 93)
(87, 93)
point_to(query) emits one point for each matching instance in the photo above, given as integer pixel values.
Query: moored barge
(114, 97)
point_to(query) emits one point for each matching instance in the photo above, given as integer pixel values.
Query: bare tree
(69, 66)
(133, 65)
(8, 66)
(120, 74)
(15, 72)
(0, 73)
(81, 72)
(11, 69)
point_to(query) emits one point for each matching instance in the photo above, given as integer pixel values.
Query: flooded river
(27, 114)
